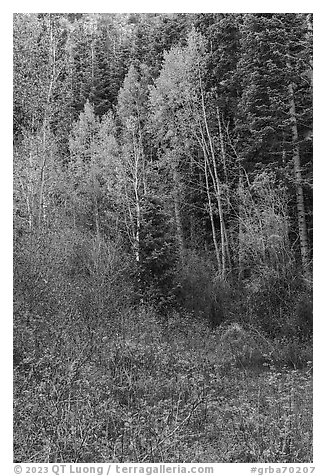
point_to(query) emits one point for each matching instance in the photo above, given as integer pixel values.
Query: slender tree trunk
(302, 226)
(211, 216)
(208, 172)
(96, 212)
(240, 232)
(137, 200)
(97, 248)
(177, 211)
(27, 196)
(221, 137)
(52, 61)
(92, 63)
(97, 218)
(309, 39)
(218, 187)
(42, 177)
(141, 152)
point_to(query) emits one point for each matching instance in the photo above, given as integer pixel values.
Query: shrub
(147, 389)
(200, 291)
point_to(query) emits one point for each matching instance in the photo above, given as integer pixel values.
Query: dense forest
(162, 237)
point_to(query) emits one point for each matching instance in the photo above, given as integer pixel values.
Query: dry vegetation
(151, 390)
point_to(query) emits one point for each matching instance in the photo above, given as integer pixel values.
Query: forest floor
(147, 390)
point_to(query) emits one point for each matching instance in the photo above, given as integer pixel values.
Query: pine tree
(111, 57)
(273, 71)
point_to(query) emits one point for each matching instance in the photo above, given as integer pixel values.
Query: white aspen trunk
(42, 177)
(137, 201)
(221, 137)
(241, 233)
(309, 38)
(177, 211)
(92, 62)
(211, 216)
(52, 58)
(28, 204)
(143, 161)
(302, 226)
(207, 171)
(97, 218)
(97, 221)
(217, 184)
(227, 247)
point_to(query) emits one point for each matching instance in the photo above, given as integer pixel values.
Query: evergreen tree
(158, 253)
(272, 67)
(111, 57)
(167, 130)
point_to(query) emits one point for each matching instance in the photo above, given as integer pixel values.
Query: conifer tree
(273, 70)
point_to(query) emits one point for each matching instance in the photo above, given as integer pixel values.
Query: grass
(145, 390)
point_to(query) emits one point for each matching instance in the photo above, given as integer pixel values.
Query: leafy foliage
(163, 237)
(142, 396)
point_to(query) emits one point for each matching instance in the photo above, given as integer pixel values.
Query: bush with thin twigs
(152, 390)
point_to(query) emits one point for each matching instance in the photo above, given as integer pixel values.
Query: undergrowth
(143, 389)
